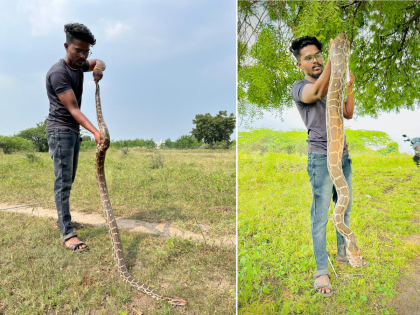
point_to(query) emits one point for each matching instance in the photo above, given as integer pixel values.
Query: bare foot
(75, 240)
(323, 279)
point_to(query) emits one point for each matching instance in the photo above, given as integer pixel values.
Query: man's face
(77, 52)
(314, 66)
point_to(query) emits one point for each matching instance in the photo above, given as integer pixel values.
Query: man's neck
(310, 79)
(69, 63)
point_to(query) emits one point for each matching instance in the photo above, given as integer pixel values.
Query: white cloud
(44, 15)
(114, 30)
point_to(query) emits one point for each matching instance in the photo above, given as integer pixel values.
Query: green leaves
(12, 144)
(183, 142)
(37, 135)
(211, 129)
(384, 58)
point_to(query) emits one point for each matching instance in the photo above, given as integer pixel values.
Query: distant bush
(366, 141)
(31, 157)
(12, 144)
(120, 144)
(183, 142)
(265, 140)
(37, 135)
(224, 145)
(391, 148)
(294, 142)
(190, 142)
(87, 144)
(156, 161)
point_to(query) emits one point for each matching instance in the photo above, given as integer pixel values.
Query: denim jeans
(64, 146)
(322, 190)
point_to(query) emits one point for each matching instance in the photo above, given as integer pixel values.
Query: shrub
(37, 135)
(12, 144)
(156, 161)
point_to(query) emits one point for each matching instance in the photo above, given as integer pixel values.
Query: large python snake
(109, 216)
(339, 56)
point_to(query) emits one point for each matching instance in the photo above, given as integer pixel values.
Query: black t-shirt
(60, 79)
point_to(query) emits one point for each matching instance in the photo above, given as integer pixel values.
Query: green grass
(39, 276)
(275, 254)
(182, 190)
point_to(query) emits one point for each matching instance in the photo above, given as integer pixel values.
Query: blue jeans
(64, 146)
(322, 190)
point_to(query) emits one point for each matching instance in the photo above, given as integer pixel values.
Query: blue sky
(166, 62)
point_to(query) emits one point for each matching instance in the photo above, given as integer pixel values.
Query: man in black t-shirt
(64, 82)
(310, 96)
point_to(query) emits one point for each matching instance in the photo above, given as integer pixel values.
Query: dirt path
(163, 229)
(407, 301)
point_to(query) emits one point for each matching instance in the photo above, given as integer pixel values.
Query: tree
(211, 129)
(37, 135)
(168, 144)
(384, 39)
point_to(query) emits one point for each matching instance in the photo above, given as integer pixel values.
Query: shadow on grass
(170, 214)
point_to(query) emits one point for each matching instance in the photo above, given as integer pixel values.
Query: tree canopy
(37, 135)
(211, 129)
(385, 54)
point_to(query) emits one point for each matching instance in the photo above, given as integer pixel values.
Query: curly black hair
(78, 31)
(299, 43)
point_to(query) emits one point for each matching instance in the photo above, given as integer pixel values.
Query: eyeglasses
(309, 58)
(85, 53)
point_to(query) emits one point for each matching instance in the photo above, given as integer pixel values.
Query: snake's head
(176, 301)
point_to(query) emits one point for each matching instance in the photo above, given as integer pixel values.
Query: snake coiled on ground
(109, 216)
(339, 56)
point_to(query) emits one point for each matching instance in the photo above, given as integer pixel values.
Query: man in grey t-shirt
(64, 82)
(310, 98)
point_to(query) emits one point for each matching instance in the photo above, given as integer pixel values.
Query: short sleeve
(60, 82)
(86, 66)
(297, 90)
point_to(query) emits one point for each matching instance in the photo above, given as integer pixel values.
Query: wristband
(97, 68)
(350, 93)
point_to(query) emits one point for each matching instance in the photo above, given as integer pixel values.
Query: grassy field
(276, 261)
(148, 185)
(39, 276)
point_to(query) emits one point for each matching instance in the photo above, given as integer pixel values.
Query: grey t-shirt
(60, 79)
(314, 117)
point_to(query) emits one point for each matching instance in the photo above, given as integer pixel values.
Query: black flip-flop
(75, 248)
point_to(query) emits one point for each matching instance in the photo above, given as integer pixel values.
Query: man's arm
(314, 92)
(96, 63)
(348, 104)
(69, 101)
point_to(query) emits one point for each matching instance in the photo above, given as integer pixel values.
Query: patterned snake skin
(109, 216)
(339, 56)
